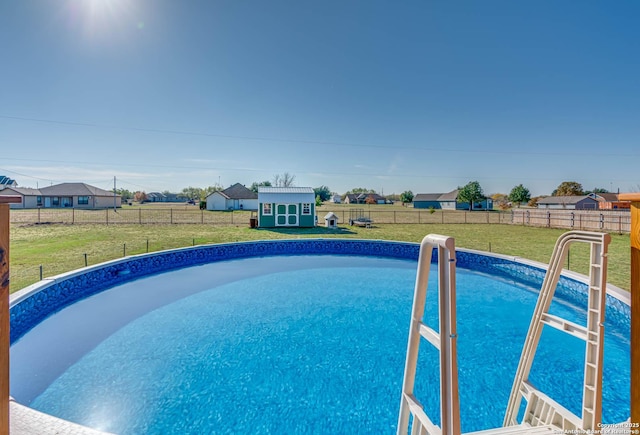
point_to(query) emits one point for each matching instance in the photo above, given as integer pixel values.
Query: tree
(323, 192)
(533, 202)
(140, 197)
(406, 196)
(596, 190)
(370, 200)
(284, 180)
(255, 185)
(501, 201)
(568, 188)
(359, 190)
(124, 193)
(318, 201)
(519, 194)
(193, 193)
(209, 190)
(470, 193)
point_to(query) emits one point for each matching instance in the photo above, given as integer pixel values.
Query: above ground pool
(288, 337)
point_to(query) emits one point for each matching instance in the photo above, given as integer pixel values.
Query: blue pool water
(312, 344)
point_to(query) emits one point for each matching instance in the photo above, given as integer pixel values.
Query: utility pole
(114, 193)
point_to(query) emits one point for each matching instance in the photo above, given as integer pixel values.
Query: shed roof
(271, 189)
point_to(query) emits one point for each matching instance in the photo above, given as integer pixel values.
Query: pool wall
(33, 304)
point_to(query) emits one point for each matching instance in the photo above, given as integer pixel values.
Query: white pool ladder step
(445, 342)
(541, 409)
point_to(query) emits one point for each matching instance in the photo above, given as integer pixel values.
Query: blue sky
(393, 96)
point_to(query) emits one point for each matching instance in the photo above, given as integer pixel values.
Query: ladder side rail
(594, 352)
(449, 408)
(417, 313)
(547, 290)
(450, 405)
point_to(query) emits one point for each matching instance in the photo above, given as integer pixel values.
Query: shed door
(286, 215)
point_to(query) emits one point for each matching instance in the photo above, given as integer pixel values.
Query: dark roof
(427, 197)
(608, 197)
(364, 196)
(74, 189)
(238, 191)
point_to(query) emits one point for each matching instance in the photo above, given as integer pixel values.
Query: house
(236, 197)
(427, 200)
(610, 201)
(7, 182)
(65, 195)
(448, 201)
(286, 207)
(31, 198)
(575, 202)
(362, 198)
(165, 197)
(336, 199)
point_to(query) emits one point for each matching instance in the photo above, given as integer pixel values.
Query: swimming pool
(284, 343)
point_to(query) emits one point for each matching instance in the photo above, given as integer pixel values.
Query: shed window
(266, 209)
(306, 208)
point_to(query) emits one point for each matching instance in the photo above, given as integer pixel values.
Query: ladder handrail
(591, 414)
(450, 406)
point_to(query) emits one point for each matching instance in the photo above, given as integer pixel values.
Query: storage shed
(286, 207)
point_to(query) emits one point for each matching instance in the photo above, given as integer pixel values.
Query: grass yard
(59, 248)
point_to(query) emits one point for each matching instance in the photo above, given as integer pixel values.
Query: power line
(480, 150)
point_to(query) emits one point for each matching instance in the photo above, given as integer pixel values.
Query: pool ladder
(542, 414)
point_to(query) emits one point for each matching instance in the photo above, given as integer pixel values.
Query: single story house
(65, 195)
(361, 198)
(575, 202)
(286, 207)
(236, 197)
(610, 201)
(165, 197)
(336, 199)
(31, 198)
(448, 201)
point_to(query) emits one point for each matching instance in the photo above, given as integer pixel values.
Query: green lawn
(60, 248)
